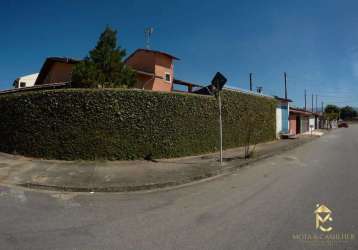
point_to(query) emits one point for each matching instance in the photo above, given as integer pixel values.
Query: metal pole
(285, 75)
(316, 103)
(221, 130)
(250, 81)
(305, 99)
(312, 103)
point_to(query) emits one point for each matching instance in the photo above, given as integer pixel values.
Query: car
(343, 125)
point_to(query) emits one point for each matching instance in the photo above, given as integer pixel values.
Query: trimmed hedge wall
(127, 124)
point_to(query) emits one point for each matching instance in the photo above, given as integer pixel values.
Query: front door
(298, 125)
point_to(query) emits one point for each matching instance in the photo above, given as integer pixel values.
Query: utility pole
(285, 75)
(323, 120)
(250, 81)
(316, 103)
(312, 102)
(305, 99)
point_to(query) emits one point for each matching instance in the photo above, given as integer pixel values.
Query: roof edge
(150, 51)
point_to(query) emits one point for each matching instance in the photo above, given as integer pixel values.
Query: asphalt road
(258, 207)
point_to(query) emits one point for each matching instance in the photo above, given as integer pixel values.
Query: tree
(331, 109)
(104, 66)
(348, 112)
(254, 130)
(331, 113)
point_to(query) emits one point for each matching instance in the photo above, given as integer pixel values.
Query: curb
(166, 185)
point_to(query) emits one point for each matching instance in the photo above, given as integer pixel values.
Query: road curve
(258, 207)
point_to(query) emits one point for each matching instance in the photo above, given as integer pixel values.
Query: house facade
(303, 121)
(154, 69)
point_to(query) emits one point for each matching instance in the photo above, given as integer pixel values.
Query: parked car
(343, 125)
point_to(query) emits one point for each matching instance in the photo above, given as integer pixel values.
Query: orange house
(154, 71)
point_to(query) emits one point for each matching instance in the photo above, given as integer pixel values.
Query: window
(22, 84)
(167, 77)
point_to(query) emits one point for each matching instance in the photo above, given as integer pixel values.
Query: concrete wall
(278, 121)
(293, 124)
(311, 123)
(282, 118)
(163, 66)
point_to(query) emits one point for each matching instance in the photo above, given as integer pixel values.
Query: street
(258, 207)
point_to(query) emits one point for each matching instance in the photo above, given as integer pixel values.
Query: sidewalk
(121, 176)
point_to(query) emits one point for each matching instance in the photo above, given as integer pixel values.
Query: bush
(126, 124)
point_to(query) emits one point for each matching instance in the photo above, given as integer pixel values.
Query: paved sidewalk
(120, 176)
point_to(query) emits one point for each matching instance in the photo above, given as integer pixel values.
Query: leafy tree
(331, 113)
(104, 66)
(331, 109)
(348, 112)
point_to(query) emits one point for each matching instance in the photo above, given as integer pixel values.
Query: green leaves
(123, 124)
(104, 67)
(348, 112)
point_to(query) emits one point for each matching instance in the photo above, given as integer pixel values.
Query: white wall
(29, 80)
(278, 121)
(311, 123)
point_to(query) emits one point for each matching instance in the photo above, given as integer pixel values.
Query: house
(56, 70)
(154, 71)
(25, 81)
(282, 115)
(303, 121)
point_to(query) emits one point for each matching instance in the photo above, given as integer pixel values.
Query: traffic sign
(218, 82)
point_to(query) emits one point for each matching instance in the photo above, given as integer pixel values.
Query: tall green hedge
(127, 124)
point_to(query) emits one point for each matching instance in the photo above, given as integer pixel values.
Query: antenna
(147, 34)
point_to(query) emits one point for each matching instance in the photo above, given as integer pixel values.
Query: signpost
(217, 84)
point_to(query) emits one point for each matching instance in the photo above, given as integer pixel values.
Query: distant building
(282, 115)
(25, 81)
(303, 121)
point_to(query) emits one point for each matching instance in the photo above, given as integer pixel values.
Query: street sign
(218, 82)
(217, 85)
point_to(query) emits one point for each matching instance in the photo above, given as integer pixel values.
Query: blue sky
(315, 42)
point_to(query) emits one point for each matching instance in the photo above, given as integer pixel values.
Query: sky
(315, 42)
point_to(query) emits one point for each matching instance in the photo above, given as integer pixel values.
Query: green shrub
(126, 124)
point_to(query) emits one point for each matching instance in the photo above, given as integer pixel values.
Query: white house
(25, 81)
